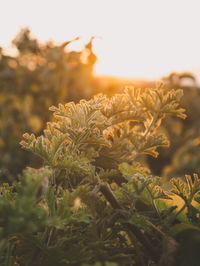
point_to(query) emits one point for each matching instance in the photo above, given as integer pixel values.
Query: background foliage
(30, 82)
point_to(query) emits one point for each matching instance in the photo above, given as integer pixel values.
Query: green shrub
(93, 203)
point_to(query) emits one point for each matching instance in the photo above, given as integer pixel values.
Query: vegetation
(30, 82)
(184, 155)
(91, 194)
(41, 75)
(92, 202)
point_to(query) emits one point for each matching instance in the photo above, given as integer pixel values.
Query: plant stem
(108, 194)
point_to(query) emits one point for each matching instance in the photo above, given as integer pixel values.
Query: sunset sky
(140, 39)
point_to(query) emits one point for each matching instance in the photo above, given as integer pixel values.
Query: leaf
(127, 169)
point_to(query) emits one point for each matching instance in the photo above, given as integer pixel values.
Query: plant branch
(108, 194)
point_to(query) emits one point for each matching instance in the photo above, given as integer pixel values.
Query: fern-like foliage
(93, 203)
(110, 131)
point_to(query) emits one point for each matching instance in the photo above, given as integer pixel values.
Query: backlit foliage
(107, 131)
(41, 75)
(93, 203)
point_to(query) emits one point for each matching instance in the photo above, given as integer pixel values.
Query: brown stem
(110, 197)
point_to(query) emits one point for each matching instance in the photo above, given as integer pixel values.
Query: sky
(137, 38)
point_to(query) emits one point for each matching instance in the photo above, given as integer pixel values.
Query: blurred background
(58, 51)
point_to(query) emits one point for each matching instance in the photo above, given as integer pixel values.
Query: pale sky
(140, 38)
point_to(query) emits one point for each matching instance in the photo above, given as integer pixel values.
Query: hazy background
(139, 38)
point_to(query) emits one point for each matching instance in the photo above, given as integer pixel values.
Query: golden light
(77, 203)
(141, 39)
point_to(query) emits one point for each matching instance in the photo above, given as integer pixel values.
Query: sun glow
(141, 39)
